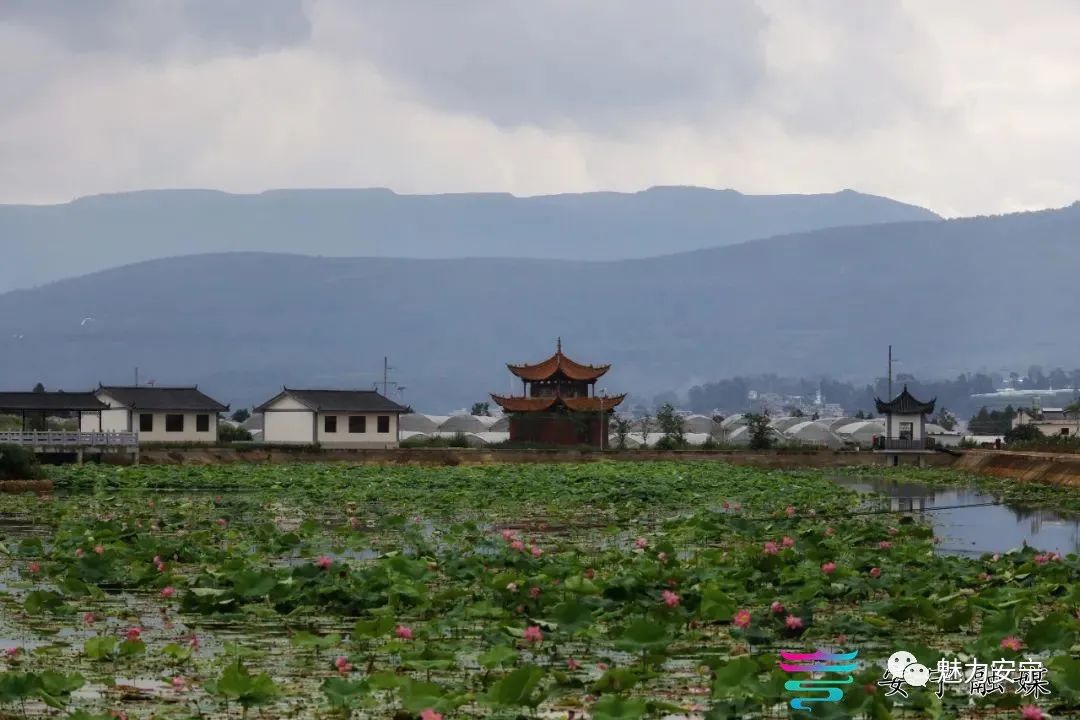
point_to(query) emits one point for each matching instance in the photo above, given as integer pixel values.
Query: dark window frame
(146, 422)
(357, 421)
(174, 422)
(382, 424)
(202, 423)
(330, 424)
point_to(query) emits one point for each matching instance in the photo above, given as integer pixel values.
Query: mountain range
(950, 295)
(42, 243)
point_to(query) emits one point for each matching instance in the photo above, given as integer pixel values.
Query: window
(202, 423)
(907, 430)
(384, 423)
(329, 423)
(146, 422)
(1064, 431)
(174, 423)
(357, 423)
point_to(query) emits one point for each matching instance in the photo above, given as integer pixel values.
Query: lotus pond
(604, 590)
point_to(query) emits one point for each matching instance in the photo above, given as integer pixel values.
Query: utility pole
(889, 396)
(385, 372)
(136, 376)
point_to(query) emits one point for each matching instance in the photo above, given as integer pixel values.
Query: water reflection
(975, 530)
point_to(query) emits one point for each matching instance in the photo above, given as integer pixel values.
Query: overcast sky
(964, 106)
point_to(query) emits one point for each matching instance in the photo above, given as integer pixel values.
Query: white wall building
(331, 418)
(157, 414)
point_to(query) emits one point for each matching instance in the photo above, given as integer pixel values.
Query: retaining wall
(1050, 468)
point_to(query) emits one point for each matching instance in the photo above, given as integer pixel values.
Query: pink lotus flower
(590, 573)
(222, 522)
(984, 576)
(34, 568)
(354, 522)
(670, 599)
(193, 642)
(741, 619)
(1031, 712)
(875, 572)
(508, 534)
(641, 543)
(168, 591)
(602, 666)
(342, 665)
(828, 568)
(533, 634)
(995, 558)
(770, 548)
(12, 652)
(429, 714)
(534, 592)
(88, 618)
(133, 634)
(791, 622)
(829, 532)
(662, 557)
(726, 505)
(160, 567)
(788, 542)
(536, 551)
(99, 549)
(884, 545)
(79, 552)
(404, 632)
(1041, 559)
(517, 545)
(572, 664)
(324, 561)
(1012, 643)
(776, 608)
(790, 511)
(512, 587)
(179, 683)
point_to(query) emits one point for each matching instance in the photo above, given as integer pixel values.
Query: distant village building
(558, 404)
(905, 427)
(331, 418)
(156, 414)
(1049, 421)
(34, 408)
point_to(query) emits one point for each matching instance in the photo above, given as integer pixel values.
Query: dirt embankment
(1050, 468)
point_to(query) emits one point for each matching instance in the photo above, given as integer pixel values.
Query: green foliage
(992, 422)
(238, 684)
(673, 425)
(760, 433)
(481, 408)
(240, 415)
(228, 433)
(19, 463)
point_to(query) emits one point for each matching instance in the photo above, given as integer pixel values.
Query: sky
(965, 107)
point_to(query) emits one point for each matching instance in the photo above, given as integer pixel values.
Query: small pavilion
(905, 428)
(558, 404)
(35, 407)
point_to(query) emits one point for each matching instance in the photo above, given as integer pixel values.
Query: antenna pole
(136, 376)
(385, 369)
(890, 374)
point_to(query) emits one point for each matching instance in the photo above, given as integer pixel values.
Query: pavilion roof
(905, 404)
(558, 363)
(539, 404)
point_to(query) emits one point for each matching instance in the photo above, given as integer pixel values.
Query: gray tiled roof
(146, 397)
(905, 404)
(339, 401)
(58, 401)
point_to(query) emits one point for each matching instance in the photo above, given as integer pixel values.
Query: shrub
(18, 463)
(228, 433)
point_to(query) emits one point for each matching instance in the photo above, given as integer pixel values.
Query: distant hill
(950, 295)
(45, 243)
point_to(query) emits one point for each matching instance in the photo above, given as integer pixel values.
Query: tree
(672, 424)
(760, 432)
(860, 415)
(39, 388)
(646, 427)
(241, 415)
(1023, 433)
(622, 430)
(481, 408)
(945, 419)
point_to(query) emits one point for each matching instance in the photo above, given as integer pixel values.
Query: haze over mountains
(949, 295)
(50, 242)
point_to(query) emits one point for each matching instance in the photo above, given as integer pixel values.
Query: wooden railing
(64, 438)
(884, 443)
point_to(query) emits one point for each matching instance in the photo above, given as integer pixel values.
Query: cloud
(562, 63)
(152, 28)
(964, 107)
